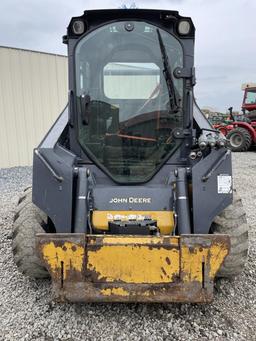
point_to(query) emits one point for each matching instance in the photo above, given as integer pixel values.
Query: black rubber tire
(232, 221)
(241, 134)
(28, 221)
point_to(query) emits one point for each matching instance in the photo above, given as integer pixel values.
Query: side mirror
(231, 113)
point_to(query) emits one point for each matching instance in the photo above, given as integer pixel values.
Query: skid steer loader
(132, 197)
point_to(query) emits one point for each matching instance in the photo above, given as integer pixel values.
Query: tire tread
(232, 221)
(28, 221)
(247, 139)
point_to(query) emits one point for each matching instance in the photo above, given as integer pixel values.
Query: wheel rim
(235, 140)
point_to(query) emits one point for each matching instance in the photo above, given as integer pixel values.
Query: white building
(33, 92)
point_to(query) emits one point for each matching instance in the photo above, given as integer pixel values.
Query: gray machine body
(54, 191)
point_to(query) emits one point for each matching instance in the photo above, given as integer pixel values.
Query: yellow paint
(138, 260)
(148, 293)
(191, 262)
(134, 263)
(115, 291)
(165, 220)
(218, 252)
(127, 240)
(70, 254)
(122, 292)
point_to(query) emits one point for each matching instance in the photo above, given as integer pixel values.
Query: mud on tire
(232, 221)
(28, 221)
(239, 140)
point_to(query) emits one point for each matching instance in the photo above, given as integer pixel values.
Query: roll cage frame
(165, 20)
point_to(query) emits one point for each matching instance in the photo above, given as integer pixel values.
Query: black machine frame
(68, 185)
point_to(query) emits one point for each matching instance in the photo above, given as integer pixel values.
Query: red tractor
(241, 132)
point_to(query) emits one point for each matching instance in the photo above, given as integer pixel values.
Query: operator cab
(128, 102)
(249, 102)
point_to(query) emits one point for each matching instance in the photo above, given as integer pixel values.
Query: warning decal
(224, 184)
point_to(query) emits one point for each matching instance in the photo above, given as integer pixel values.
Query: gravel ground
(27, 312)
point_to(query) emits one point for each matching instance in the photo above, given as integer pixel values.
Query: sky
(225, 50)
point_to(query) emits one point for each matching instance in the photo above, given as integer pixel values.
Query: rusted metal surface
(132, 268)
